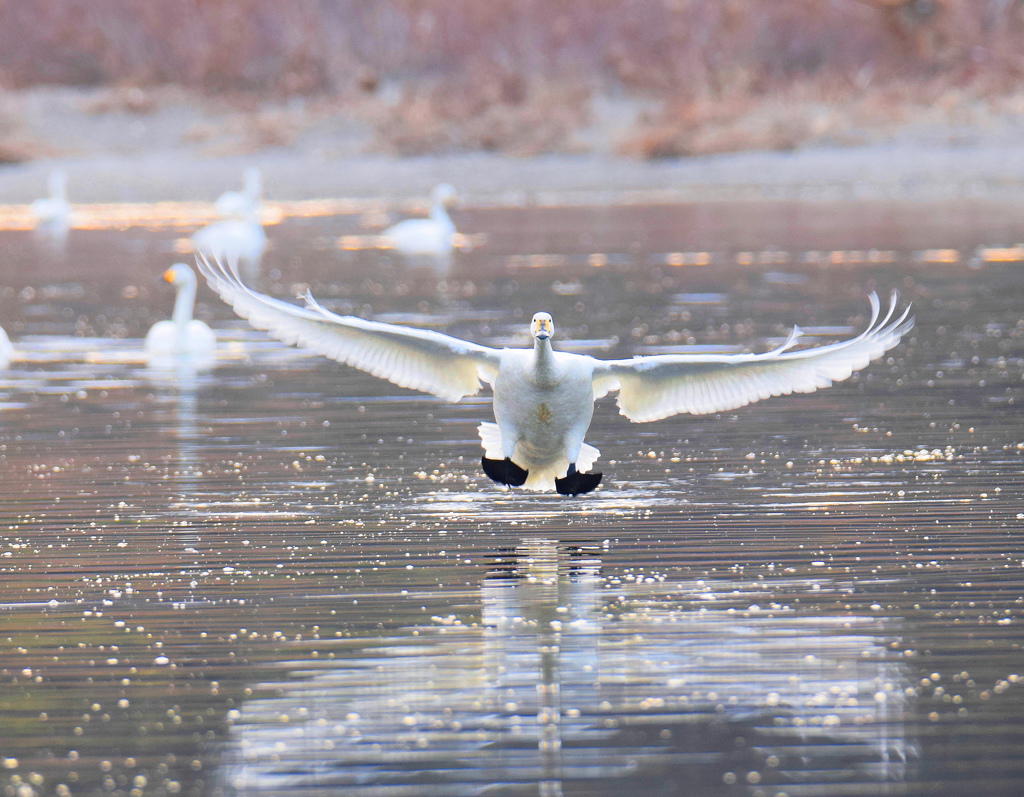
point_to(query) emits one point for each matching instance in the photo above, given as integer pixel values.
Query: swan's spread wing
(414, 358)
(651, 388)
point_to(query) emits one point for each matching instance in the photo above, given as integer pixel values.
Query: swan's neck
(543, 359)
(183, 305)
(439, 213)
(58, 186)
(253, 186)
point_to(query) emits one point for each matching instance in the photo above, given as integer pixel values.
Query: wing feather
(651, 388)
(418, 359)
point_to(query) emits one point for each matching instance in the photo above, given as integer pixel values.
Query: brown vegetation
(516, 76)
(488, 109)
(249, 131)
(810, 114)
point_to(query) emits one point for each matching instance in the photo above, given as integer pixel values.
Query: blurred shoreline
(130, 145)
(877, 172)
(556, 101)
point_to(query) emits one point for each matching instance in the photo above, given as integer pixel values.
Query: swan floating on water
(239, 234)
(544, 399)
(433, 236)
(229, 239)
(6, 349)
(54, 211)
(182, 335)
(244, 203)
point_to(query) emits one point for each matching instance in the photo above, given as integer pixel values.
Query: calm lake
(280, 576)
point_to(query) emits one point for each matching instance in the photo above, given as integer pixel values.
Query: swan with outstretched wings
(544, 399)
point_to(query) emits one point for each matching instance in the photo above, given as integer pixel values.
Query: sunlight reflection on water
(561, 680)
(275, 572)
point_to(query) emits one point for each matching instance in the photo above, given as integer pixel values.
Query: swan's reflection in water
(51, 238)
(177, 381)
(574, 683)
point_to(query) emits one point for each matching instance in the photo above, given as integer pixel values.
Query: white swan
(244, 203)
(228, 239)
(6, 349)
(54, 211)
(544, 399)
(431, 237)
(239, 235)
(183, 335)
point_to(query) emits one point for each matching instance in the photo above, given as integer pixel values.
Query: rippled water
(280, 576)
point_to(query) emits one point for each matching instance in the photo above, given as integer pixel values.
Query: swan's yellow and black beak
(169, 276)
(542, 326)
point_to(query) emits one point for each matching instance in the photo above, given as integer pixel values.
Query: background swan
(54, 210)
(244, 203)
(241, 239)
(6, 349)
(433, 236)
(239, 235)
(182, 334)
(544, 399)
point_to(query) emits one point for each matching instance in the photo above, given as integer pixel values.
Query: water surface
(280, 576)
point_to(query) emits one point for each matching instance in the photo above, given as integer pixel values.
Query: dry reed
(516, 76)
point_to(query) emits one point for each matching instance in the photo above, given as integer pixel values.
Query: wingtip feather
(653, 388)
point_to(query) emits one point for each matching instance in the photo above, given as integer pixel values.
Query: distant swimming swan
(239, 234)
(433, 236)
(227, 239)
(244, 203)
(182, 334)
(544, 399)
(54, 210)
(6, 349)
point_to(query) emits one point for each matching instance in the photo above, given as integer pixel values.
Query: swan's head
(180, 275)
(542, 327)
(444, 194)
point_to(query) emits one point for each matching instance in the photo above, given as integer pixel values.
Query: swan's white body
(6, 349)
(433, 236)
(239, 234)
(54, 211)
(543, 399)
(543, 403)
(182, 335)
(230, 239)
(245, 203)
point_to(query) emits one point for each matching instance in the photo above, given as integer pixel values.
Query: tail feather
(490, 437)
(588, 456)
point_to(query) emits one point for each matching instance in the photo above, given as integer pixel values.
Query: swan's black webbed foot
(505, 471)
(576, 483)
